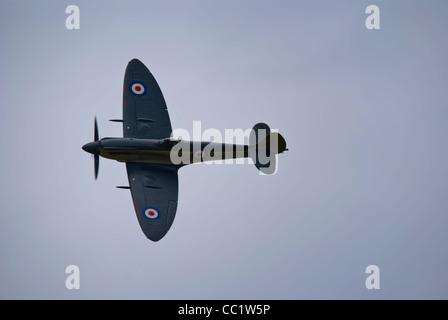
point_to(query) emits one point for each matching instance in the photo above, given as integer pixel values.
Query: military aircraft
(152, 155)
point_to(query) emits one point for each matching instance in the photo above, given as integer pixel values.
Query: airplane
(152, 155)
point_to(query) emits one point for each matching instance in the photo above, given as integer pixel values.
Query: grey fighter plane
(153, 157)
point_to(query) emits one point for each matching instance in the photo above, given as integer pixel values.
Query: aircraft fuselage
(164, 151)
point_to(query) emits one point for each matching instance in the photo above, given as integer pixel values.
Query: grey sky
(364, 114)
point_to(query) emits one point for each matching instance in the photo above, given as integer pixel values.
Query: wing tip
(156, 237)
(137, 65)
(155, 234)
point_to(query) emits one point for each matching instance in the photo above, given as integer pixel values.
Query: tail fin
(264, 146)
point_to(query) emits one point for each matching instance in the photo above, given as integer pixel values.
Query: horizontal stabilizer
(264, 146)
(116, 120)
(123, 187)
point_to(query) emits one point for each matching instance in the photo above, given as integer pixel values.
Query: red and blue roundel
(151, 213)
(137, 88)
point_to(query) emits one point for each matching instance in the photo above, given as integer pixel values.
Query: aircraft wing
(154, 189)
(145, 115)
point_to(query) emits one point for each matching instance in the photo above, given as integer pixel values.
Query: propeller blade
(96, 135)
(96, 157)
(97, 165)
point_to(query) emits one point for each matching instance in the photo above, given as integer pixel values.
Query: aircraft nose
(91, 147)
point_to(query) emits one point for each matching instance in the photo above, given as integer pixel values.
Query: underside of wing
(154, 189)
(145, 115)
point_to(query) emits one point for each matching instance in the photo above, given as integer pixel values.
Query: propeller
(96, 156)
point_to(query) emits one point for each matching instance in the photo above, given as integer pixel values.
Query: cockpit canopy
(167, 142)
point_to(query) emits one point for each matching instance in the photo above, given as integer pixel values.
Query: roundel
(151, 213)
(137, 88)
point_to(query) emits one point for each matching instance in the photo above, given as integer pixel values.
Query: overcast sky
(364, 113)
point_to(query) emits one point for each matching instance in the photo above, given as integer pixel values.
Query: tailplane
(264, 147)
